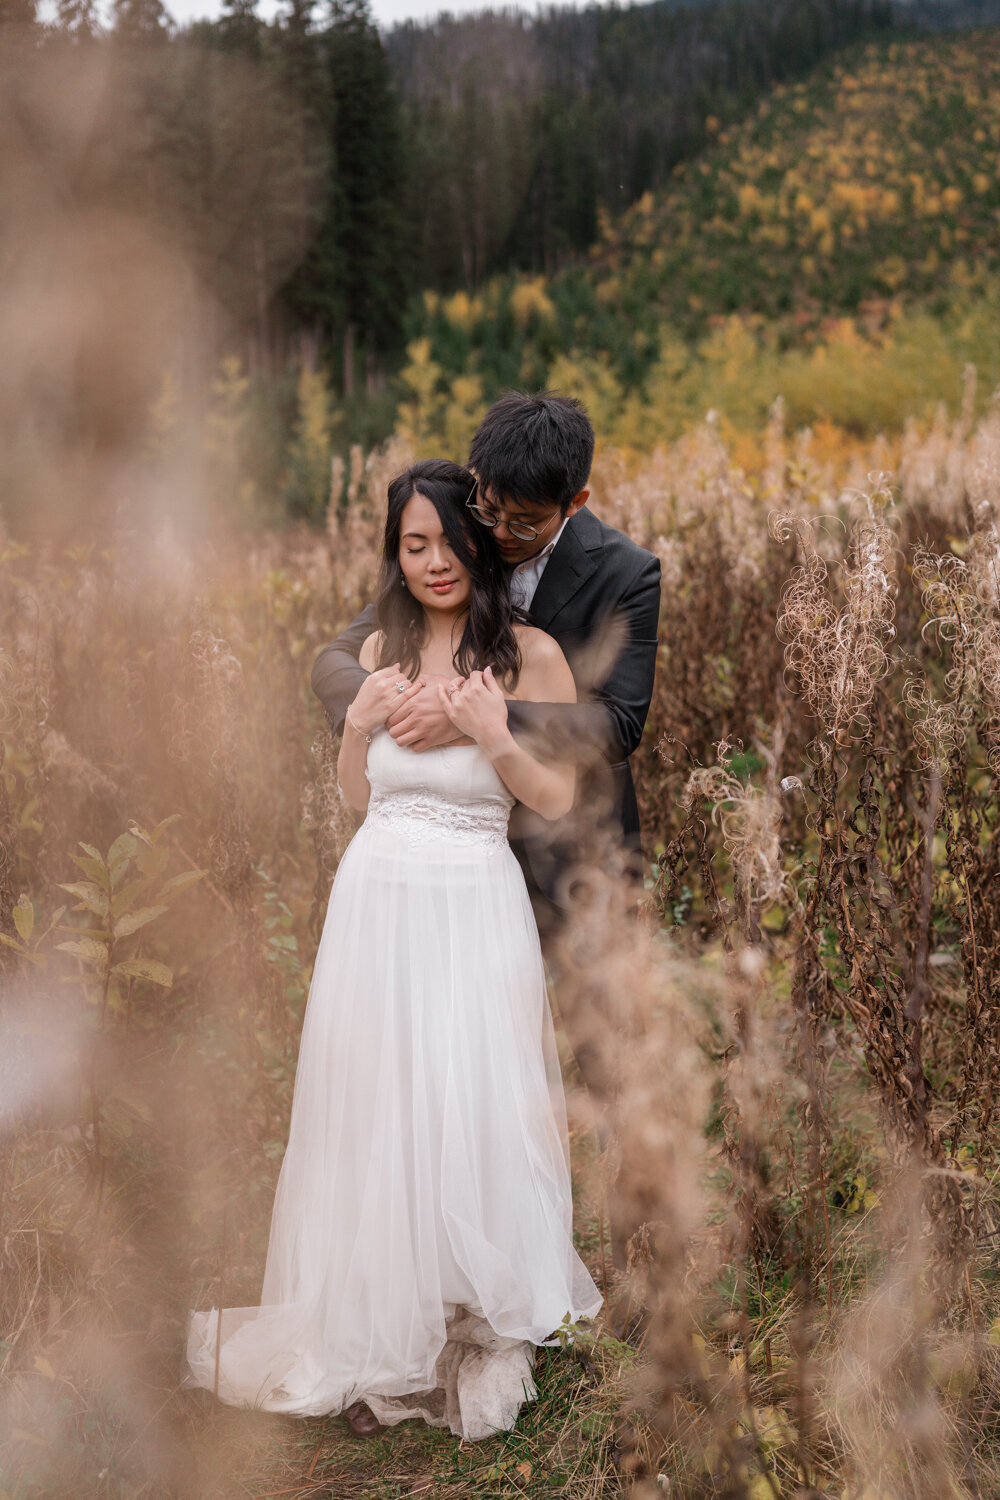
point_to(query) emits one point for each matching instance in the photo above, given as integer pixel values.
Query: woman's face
(434, 575)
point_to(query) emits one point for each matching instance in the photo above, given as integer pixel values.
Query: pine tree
(301, 57)
(313, 293)
(369, 228)
(351, 288)
(141, 20)
(77, 19)
(239, 27)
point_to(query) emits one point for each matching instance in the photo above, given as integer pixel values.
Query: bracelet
(355, 727)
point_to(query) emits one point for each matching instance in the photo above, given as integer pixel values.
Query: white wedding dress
(421, 1236)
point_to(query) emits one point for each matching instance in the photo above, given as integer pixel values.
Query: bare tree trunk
(348, 358)
(309, 345)
(374, 375)
(261, 299)
(480, 248)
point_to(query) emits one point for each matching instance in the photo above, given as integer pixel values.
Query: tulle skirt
(421, 1235)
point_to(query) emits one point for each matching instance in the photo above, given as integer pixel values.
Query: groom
(598, 593)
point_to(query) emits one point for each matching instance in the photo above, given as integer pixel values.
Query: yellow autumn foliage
(462, 311)
(529, 302)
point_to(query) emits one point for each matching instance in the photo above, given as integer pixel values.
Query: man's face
(544, 520)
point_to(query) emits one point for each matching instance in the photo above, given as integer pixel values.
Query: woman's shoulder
(545, 672)
(537, 645)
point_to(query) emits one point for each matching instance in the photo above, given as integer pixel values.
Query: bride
(421, 1236)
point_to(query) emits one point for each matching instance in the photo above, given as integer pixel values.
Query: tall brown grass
(802, 1032)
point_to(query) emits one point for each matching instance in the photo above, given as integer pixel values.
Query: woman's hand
(477, 707)
(379, 696)
(420, 723)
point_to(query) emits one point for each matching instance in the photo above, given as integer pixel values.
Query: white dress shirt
(524, 579)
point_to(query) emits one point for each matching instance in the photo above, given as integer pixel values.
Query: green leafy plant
(124, 891)
(115, 884)
(27, 945)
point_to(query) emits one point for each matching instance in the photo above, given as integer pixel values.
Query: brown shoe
(361, 1419)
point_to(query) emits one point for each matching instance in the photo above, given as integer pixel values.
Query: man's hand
(477, 707)
(420, 722)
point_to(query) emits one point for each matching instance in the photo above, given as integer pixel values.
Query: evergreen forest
(427, 216)
(321, 174)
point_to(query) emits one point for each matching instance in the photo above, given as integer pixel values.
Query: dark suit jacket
(598, 587)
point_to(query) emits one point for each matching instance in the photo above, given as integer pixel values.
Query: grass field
(838, 247)
(805, 1037)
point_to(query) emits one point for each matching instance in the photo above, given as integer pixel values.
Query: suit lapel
(572, 562)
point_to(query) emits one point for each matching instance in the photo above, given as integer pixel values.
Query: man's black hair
(537, 448)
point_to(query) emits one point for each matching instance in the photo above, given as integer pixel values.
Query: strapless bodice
(452, 794)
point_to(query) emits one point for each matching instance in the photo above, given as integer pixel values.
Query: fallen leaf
(763, 1487)
(24, 917)
(776, 1431)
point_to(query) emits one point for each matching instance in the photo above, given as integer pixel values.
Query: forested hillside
(946, 15)
(854, 212)
(320, 175)
(662, 205)
(523, 132)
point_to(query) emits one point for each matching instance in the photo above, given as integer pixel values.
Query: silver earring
(402, 582)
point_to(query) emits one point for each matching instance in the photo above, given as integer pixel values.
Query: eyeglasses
(491, 518)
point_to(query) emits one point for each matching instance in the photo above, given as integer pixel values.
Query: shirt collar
(546, 552)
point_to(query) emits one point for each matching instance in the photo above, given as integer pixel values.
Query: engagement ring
(400, 687)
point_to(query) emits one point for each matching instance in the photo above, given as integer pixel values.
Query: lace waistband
(421, 816)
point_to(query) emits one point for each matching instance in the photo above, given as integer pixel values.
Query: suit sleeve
(611, 723)
(336, 675)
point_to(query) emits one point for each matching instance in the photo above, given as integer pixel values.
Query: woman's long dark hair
(488, 639)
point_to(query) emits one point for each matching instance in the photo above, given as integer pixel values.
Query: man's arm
(611, 724)
(336, 675)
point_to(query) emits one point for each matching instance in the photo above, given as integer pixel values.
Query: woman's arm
(478, 708)
(377, 697)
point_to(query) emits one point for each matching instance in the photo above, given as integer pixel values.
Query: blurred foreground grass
(807, 1042)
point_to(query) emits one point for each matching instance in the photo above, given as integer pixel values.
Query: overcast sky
(386, 12)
